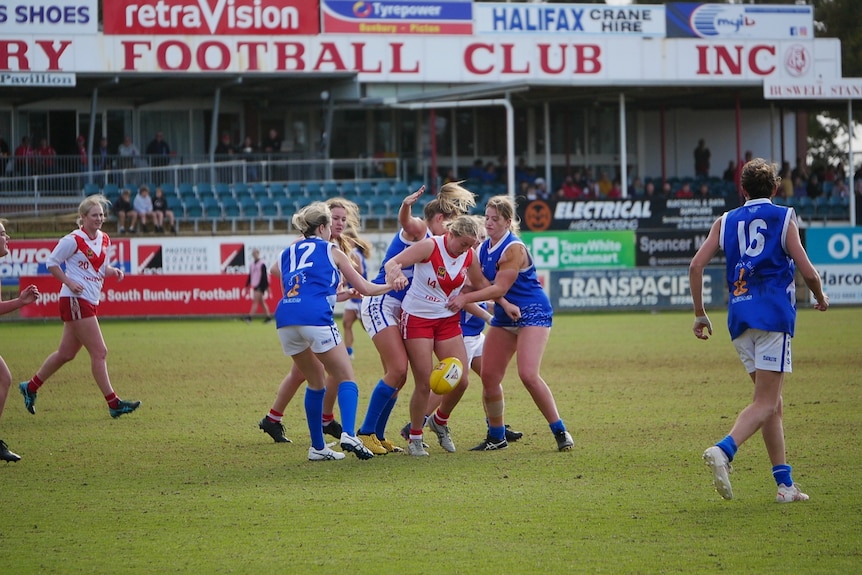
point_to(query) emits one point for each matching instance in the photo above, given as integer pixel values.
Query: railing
(38, 190)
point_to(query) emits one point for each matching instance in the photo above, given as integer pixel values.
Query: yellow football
(446, 375)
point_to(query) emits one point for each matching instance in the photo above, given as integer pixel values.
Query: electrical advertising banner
(837, 255)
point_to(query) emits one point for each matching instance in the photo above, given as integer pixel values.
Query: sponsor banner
(211, 17)
(837, 255)
(569, 19)
(842, 283)
(659, 248)
(145, 295)
(43, 79)
(836, 89)
(29, 257)
(631, 289)
(412, 58)
(626, 214)
(49, 17)
(397, 17)
(834, 245)
(687, 20)
(572, 250)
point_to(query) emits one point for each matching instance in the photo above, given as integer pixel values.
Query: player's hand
(822, 305)
(29, 294)
(455, 304)
(513, 311)
(701, 322)
(76, 288)
(411, 199)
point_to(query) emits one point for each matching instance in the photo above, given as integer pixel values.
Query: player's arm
(362, 285)
(700, 260)
(418, 252)
(28, 295)
(809, 273)
(510, 264)
(414, 227)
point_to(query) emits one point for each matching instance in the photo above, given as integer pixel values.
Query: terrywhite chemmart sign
(837, 255)
(559, 250)
(451, 59)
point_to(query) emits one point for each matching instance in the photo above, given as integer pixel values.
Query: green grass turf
(189, 484)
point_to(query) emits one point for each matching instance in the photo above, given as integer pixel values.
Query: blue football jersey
(310, 278)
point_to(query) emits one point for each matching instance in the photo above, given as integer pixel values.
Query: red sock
(415, 433)
(112, 400)
(327, 418)
(34, 384)
(441, 418)
(273, 415)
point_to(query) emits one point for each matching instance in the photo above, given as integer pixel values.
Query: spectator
(477, 172)
(224, 148)
(701, 160)
(800, 170)
(161, 212)
(569, 190)
(450, 176)
(249, 151)
(490, 174)
(637, 187)
(159, 154)
(684, 192)
(800, 188)
(649, 190)
(541, 189)
(128, 153)
(786, 188)
(144, 207)
(814, 189)
(521, 172)
(604, 185)
(616, 191)
(666, 190)
(730, 172)
(840, 190)
(24, 157)
(126, 212)
(47, 157)
(272, 143)
(101, 161)
(703, 191)
(83, 165)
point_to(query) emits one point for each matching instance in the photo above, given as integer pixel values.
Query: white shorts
(764, 350)
(351, 305)
(297, 338)
(474, 345)
(379, 312)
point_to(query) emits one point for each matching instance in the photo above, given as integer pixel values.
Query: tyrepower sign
(397, 17)
(211, 17)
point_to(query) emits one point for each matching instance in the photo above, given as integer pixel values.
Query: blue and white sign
(764, 22)
(49, 17)
(569, 19)
(837, 255)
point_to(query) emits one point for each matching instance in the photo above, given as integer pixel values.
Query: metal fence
(33, 188)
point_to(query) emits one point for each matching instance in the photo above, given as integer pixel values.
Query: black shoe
(123, 407)
(246, 319)
(491, 444)
(333, 429)
(513, 436)
(6, 455)
(564, 440)
(268, 319)
(275, 430)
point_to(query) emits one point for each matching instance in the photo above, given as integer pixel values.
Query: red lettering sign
(211, 17)
(717, 60)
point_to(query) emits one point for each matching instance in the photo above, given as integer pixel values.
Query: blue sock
(497, 433)
(314, 413)
(379, 398)
(349, 351)
(728, 446)
(781, 473)
(380, 430)
(557, 426)
(348, 401)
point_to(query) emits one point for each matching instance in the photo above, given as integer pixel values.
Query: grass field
(189, 484)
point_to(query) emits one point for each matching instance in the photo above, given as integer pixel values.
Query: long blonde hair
(506, 209)
(452, 200)
(311, 217)
(89, 203)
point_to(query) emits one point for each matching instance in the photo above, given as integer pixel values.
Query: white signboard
(572, 20)
(29, 79)
(839, 89)
(50, 17)
(470, 59)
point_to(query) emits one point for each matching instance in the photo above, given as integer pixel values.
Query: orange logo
(537, 216)
(740, 284)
